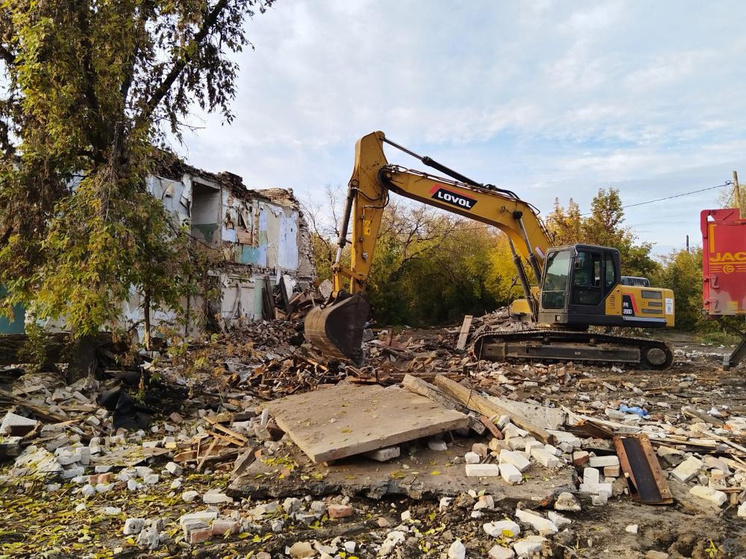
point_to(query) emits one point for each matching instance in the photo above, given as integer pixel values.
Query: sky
(548, 99)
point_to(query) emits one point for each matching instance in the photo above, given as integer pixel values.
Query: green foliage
(90, 87)
(431, 268)
(682, 272)
(604, 227)
(323, 251)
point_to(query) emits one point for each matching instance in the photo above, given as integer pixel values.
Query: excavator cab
(577, 280)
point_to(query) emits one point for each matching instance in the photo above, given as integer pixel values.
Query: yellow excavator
(579, 285)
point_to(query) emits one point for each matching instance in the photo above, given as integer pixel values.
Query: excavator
(578, 285)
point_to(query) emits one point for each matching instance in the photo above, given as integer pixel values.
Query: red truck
(724, 268)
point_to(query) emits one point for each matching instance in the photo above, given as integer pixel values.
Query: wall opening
(206, 212)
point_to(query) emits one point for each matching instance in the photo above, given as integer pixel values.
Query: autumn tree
(604, 226)
(682, 272)
(90, 88)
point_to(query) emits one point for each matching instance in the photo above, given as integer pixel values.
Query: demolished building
(262, 235)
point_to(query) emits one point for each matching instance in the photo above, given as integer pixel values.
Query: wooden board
(348, 419)
(464, 334)
(472, 400)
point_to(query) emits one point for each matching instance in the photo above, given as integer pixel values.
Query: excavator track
(561, 345)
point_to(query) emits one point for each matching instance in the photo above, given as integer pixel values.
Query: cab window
(586, 279)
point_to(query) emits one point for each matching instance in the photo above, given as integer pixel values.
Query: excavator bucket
(337, 329)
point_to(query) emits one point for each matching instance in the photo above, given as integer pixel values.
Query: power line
(726, 183)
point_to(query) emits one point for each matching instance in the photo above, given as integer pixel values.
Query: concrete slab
(420, 473)
(345, 420)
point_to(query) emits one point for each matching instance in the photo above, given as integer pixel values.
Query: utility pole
(737, 190)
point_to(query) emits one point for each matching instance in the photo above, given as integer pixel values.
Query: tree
(604, 227)
(565, 225)
(92, 86)
(682, 272)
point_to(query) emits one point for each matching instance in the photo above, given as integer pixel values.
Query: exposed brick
(339, 511)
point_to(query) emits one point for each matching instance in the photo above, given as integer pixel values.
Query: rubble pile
(204, 469)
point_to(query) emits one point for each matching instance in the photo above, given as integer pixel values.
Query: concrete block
(215, 498)
(596, 489)
(189, 496)
(487, 500)
(206, 516)
(385, 454)
(532, 444)
(544, 526)
(516, 459)
(602, 461)
(516, 443)
(500, 552)
(510, 473)
(742, 510)
(714, 496)
(529, 547)
(482, 470)
(70, 473)
(687, 469)
(502, 528)
(503, 421)
(472, 458)
(551, 449)
(512, 431)
(558, 520)
(133, 526)
(591, 475)
(17, 425)
(567, 502)
(545, 458)
(599, 500)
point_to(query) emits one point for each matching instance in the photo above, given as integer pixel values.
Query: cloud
(543, 97)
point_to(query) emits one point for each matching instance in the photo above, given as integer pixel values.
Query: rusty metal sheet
(642, 470)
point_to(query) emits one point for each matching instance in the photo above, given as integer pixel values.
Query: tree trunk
(146, 312)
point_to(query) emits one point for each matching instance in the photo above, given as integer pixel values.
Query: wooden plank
(464, 333)
(228, 439)
(423, 388)
(347, 419)
(474, 401)
(491, 427)
(207, 454)
(230, 432)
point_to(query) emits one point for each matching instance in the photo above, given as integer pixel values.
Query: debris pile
(252, 444)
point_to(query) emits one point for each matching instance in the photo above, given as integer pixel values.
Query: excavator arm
(337, 328)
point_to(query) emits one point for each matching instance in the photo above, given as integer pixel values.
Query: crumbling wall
(261, 233)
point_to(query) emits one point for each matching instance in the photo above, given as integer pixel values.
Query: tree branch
(8, 56)
(180, 64)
